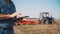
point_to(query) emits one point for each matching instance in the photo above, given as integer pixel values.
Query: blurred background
(32, 8)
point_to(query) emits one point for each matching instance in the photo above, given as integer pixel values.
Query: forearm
(5, 16)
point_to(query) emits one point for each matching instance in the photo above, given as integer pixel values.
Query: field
(37, 29)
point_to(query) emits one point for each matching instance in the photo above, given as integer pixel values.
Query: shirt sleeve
(13, 8)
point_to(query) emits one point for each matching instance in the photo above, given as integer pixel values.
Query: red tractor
(24, 21)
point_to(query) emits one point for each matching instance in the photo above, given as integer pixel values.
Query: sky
(33, 8)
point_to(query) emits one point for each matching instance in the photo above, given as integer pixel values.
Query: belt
(7, 28)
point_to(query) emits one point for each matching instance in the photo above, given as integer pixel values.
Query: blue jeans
(11, 31)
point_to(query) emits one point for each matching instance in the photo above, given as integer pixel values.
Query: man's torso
(7, 8)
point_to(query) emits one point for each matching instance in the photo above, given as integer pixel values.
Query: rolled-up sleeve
(13, 8)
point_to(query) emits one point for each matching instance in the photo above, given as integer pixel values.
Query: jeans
(2, 31)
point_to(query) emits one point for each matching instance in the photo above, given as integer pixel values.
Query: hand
(14, 14)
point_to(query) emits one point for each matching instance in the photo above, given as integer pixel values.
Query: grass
(39, 29)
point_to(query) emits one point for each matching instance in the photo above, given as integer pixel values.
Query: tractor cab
(45, 18)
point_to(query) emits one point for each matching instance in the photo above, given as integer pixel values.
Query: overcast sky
(32, 8)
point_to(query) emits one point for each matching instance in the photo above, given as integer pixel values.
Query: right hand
(14, 14)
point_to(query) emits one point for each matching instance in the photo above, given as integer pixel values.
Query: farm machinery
(24, 21)
(45, 18)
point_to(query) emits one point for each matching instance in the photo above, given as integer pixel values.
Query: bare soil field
(37, 29)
